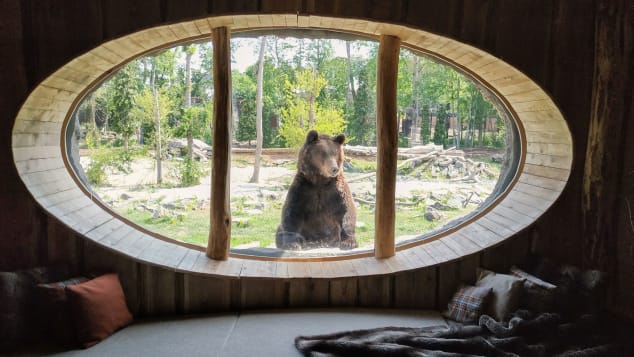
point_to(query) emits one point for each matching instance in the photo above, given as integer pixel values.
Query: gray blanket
(523, 335)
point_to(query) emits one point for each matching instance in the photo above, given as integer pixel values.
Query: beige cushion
(505, 296)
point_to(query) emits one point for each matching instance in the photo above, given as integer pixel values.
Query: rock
(439, 206)
(455, 202)
(171, 205)
(432, 215)
(143, 207)
(203, 204)
(438, 195)
(158, 213)
(269, 195)
(255, 204)
(497, 158)
(124, 196)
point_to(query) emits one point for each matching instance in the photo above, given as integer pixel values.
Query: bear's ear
(312, 136)
(340, 139)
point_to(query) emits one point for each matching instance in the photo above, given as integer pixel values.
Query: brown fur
(319, 210)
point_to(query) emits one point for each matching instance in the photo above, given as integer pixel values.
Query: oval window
(142, 139)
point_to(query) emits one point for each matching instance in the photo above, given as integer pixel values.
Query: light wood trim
(49, 108)
(387, 140)
(220, 225)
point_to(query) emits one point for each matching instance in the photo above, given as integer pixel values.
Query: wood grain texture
(220, 225)
(416, 289)
(263, 293)
(205, 294)
(609, 100)
(562, 33)
(387, 139)
(158, 291)
(344, 292)
(308, 292)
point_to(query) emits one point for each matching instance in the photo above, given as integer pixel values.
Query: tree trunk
(188, 100)
(387, 141)
(311, 101)
(220, 211)
(93, 116)
(457, 113)
(353, 92)
(157, 122)
(258, 116)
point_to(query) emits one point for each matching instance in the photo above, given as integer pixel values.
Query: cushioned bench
(256, 333)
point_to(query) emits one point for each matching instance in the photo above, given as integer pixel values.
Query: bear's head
(321, 157)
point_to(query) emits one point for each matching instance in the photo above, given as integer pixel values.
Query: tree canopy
(323, 84)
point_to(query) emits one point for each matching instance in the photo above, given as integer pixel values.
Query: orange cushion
(98, 308)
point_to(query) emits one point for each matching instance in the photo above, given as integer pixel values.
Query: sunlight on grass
(254, 227)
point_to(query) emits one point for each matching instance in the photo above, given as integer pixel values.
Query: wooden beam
(387, 142)
(609, 119)
(220, 229)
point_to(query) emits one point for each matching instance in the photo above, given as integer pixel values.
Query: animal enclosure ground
(182, 213)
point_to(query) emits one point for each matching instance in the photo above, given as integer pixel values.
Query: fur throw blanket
(545, 334)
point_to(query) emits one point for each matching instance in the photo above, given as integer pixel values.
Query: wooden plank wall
(552, 42)
(613, 107)
(152, 291)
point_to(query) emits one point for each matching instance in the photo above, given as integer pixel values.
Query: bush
(499, 140)
(403, 141)
(104, 158)
(188, 172)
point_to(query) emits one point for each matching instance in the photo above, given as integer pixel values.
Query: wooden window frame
(41, 155)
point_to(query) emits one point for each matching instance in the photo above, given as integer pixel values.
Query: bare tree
(258, 116)
(189, 52)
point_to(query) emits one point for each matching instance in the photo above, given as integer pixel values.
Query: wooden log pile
(450, 163)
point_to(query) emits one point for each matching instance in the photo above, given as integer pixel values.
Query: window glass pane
(309, 82)
(457, 146)
(160, 103)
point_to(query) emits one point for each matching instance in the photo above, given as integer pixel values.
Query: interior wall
(552, 42)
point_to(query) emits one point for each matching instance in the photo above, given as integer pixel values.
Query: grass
(192, 225)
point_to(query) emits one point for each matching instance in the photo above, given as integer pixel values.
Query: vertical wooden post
(220, 228)
(609, 120)
(387, 145)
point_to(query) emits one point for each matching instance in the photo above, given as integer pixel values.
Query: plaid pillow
(467, 303)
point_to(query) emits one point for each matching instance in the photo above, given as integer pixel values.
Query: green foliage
(299, 102)
(189, 171)
(92, 138)
(362, 122)
(192, 122)
(244, 98)
(440, 130)
(123, 86)
(403, 141)
(143, 112)
(104, 158)
(300, 76)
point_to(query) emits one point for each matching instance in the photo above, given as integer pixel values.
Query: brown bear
(319, 210)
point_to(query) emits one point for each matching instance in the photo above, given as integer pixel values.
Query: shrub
(105, 158)
(188, 172)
